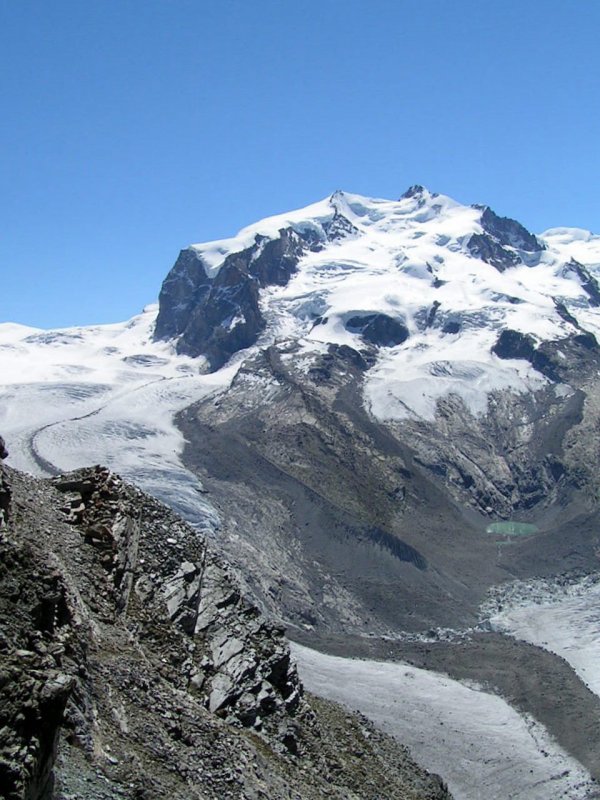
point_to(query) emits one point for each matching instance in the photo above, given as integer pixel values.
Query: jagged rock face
(587, 280)
(34, 690)
(563, 361)
(131, 665)
(241, 657)
(216, 317)
(509, 232)
(489, 250)
(5, 494)
(504, 241)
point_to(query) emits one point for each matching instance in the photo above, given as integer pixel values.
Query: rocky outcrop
(514, 344)
(215, 316)
(378, 329)
(504, 241)
(561, 361)
(242, 667)
(485, 247)
(509, 233)
(5, 495)
(34, 689)
(132, 666)
(588, 283)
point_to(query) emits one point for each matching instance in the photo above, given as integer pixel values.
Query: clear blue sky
(131, 128)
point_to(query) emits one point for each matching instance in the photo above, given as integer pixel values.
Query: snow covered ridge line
(361, 212)
(426, 283)
(416, 207)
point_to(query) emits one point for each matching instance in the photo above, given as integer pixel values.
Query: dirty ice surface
(566, 622)
(481, 746)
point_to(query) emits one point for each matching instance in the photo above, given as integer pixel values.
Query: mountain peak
(337, 195)
(416, 190)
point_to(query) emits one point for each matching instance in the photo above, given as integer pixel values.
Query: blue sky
(132, 128)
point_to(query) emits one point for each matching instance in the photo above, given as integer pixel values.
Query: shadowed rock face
(561, 361)
(513, 344)
(486, 248)
(499, 234)
(509, 232)
(378, 329)
(217, 317)
(587, 280)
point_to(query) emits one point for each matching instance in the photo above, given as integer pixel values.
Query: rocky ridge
(216, 316)
(132, 666)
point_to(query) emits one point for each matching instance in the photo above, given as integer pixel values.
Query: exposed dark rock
(513, 344)
(432, 313)
(339, 227)
(561, 361)
(586, 340)
(588, 283)
(186, 285)
(509, 232)
(336, 362)
(482, 246)
(413, 191)
(499, 234)
(565, 314)
(5, 492)
(378, 329)
(416, 191)
(5, 495)
(34, 690)
(452, 326)
(217, 316)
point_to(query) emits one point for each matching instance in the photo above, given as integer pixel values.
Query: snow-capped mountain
(350, 398)
(372, 352)
(432, 301)
(428, 281)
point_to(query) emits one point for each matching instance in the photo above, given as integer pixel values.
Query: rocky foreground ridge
(132, 666)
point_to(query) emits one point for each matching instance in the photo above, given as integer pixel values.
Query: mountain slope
(380, 410)
(422, 368)
(410, 371)
(132, 667)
